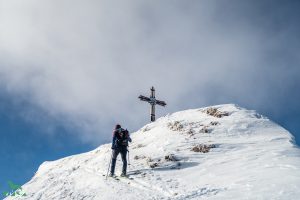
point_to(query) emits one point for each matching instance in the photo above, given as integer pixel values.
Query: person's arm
(114, 140)
(128, 136)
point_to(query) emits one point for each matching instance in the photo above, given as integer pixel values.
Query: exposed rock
(153, 165)
(139, 157)
(175, 126)
(203, 148)
(191, 132)
(205, 129)
(215, 112)
(75, 168)
(171, 157)
(214, 123)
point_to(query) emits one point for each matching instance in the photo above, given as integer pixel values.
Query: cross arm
(161, 103)
(143, 98)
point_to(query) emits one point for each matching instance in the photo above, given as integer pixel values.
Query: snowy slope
(253, 158)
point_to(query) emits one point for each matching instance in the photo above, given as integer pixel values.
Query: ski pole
(109, 165)
(128, 158)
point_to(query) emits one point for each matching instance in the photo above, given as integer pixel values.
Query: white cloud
(87, 61)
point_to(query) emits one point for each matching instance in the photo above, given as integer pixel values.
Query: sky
(71, 70)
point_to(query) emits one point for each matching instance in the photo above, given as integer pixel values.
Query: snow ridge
(218, 152)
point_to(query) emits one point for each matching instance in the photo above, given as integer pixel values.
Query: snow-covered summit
(219, 152)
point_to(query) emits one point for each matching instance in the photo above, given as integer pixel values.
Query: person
(119, 145)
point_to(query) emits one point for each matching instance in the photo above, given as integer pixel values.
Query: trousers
(115, 153)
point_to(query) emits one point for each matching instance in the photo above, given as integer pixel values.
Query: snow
(253, 158)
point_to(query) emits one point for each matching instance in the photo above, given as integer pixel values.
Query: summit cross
(153, 101)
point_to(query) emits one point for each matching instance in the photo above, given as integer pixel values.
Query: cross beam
(153, 101)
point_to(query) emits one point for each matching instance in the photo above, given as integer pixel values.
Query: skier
(119, 145)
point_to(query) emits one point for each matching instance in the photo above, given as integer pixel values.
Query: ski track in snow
(253, 159)
(135, 182)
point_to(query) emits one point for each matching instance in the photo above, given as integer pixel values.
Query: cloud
(85, 63)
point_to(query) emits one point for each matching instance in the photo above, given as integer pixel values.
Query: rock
(203, 148)
(214, 123)
(191, 132)
(205, 129)
(175, 126)
(215, 112)
(153, 165)
(171, 157)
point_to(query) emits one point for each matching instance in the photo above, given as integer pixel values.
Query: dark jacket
(120, 139)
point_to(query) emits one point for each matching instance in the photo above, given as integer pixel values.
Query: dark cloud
(88, 61)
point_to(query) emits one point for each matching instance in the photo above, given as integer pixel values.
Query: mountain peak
(216, 152)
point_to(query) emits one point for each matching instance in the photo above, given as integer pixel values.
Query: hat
(118, 126)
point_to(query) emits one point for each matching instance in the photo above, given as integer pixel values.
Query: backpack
(122, 138)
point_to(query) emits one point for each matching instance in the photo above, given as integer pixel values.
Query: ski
(126, 177)
(112, 177)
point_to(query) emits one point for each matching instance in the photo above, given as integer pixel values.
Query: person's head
(117, 127)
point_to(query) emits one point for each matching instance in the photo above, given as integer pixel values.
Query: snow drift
(220, 152)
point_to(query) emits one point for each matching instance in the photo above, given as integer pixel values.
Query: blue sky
(24, 148)
(71, 70)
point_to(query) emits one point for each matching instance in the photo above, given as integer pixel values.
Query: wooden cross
(152, 102)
